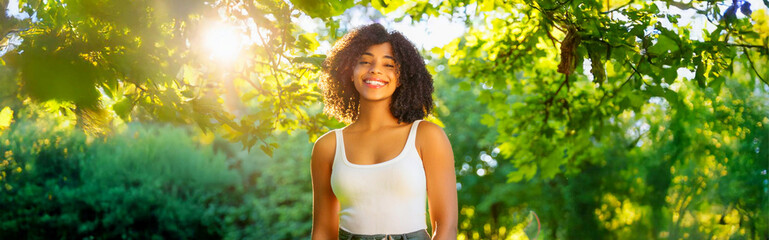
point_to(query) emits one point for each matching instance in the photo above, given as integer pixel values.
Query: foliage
(146, 60)
(614, 105)
(595, 150)
(278, 202)
(669, 174)
(147, 182)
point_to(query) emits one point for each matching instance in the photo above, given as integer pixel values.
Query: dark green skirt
(416, 235)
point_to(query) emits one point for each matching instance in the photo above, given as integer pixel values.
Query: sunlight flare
(223, 42)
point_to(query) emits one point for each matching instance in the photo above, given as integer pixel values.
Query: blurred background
(570, 119)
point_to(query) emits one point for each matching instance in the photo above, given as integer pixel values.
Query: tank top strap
(339, 140)
(411, 141)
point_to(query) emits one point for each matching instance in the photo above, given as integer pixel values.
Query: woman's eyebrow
(386, 56)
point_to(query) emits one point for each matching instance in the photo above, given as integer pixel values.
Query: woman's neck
(374, 115)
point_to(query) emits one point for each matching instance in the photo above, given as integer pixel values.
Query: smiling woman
(371, 178)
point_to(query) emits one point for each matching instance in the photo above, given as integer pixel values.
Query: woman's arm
(438, 159)
(325, 206)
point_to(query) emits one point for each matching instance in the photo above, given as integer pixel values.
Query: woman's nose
(375, 68)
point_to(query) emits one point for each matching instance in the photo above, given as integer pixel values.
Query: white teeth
(375, 83)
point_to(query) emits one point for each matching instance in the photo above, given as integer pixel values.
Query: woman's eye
(362, 62)
(389, 65)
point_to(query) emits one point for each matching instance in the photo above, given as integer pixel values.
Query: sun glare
(223, 42)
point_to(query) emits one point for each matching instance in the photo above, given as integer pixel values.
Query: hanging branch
(635, 72)
(550, 100)
(753, 66)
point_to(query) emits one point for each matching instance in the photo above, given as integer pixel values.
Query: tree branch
(274, 75)
(549, 101)
(614, 93)
(753, 66)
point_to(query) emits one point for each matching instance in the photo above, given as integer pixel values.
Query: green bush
(280, 190)
(38, 164)
(149, 182)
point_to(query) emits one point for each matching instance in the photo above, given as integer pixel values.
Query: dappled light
(223, 42)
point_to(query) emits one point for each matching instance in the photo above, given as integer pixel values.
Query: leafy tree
(575, 132)
(571, 86)
(145, 60)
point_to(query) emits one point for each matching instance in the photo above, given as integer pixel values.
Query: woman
(370, 179)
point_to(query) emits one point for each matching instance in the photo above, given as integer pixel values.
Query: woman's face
(376, 73)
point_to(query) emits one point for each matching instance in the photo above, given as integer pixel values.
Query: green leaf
(526, 171)
(123, 108)
(315, 60)
(487, 120)
(664, 44)
(6, 116)
(670, 75)
(655, 90)
(637, 30)
(323, 9)
(636, 101)
(307, 41)
(699, 74)
(266, 149)
(715, 34)
(716, 83)
(671, 96)
(386, 6)
(673, 18)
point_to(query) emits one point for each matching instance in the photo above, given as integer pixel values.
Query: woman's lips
(375, 83)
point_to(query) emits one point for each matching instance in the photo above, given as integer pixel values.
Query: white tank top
(383, 198)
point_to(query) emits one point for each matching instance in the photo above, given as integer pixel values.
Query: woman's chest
(374, 148)
(402, 177)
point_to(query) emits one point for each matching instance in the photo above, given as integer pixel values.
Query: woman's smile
(375, 83)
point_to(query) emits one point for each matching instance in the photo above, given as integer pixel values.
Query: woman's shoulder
(325, 145)
(432, 143)
(329, 136)
(427, 130)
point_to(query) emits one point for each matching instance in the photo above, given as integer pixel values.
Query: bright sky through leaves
(223, 42)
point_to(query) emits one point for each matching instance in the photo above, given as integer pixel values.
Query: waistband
(415, 235)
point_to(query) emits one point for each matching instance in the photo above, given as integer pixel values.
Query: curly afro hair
(411, 101)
